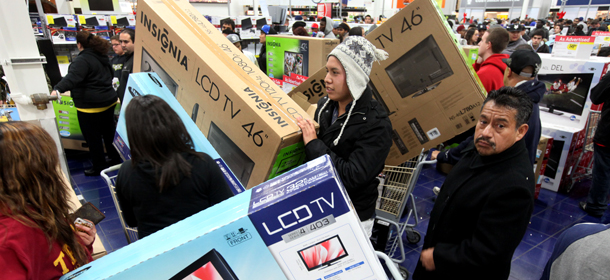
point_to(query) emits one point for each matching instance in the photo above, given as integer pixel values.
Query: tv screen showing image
(212, 266)
(234, 157)
(554, 157)
(246, 24)
(293, 63)
(565, 92)
(419, 70)
(323, 253)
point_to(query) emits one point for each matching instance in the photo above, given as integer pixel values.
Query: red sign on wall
(325, 10)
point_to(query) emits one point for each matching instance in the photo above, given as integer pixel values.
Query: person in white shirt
(233, 38)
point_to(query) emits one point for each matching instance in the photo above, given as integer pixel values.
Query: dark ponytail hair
(157, 135)
(88, 40)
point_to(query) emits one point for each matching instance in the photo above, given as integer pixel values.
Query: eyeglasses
(116, 45)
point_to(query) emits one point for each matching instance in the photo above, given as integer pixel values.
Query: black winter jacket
(361, 152)
(127, 69)
(89, 80)
(535, 89)
(262, 59)
(480, 215)
(144, 207)
(601, 94)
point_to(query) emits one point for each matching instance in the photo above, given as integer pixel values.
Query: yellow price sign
(606, 38)
(572, 47)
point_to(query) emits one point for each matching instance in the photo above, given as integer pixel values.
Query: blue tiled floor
(553, 213)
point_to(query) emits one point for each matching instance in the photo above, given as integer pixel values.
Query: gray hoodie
(328, 31)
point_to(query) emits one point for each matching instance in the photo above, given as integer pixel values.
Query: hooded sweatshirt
(491, 71)
(328, 31)
(535, 90)
(513, 45)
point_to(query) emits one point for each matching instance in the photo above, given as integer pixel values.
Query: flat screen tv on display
(323, 253)
(101, 5)
(419, 70)
(212, 266)
(565, 93)
(554, 157)
(260, 23)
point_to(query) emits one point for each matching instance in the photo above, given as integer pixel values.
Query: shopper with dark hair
(262, 56)
(343, 31)
(38, 239)
(354, 128)
(539, 27)
(489, 65)
(604, 52)
(472, 36)
(236, 41)
(117, 61)
(89, 81)
(523, 66)
(515, 32)
(557, 29)
(595, 25)
(368, 19)
(579, 31)
(128, 37)
(227, 23)
(485, 204)
(597, 200)
(537, 42)
(326, 28)
(166, 180)
(227, 31)
(356, 31)
(300, 31)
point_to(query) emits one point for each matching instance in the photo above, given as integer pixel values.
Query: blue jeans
(597, 201)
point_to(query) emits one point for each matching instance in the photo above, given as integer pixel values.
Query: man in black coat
(485, 204)
(127, 38)
(597, 200)
(354, 129)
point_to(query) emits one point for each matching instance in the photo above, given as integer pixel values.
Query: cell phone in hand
(84, 223)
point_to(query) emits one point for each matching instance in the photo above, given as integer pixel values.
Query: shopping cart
(584, 166)
(130, 233)
(398, 184)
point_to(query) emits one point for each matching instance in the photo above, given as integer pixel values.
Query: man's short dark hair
(229, 22)
(604, 51)
(131, 33)
(524, 47)
(356, 31)
(499, 39)
(368, 16)
(537, 32)
(512, 98)
(115, 37)
(594, 21)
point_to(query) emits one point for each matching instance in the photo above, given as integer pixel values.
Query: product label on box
(288, 158)
(67, 119)
(291, 60)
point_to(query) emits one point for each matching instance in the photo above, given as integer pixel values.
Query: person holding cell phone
(38, 240)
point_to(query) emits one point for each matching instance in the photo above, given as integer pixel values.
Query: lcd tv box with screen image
(427, 86)
(233, 96)
(569, 81)
(299, 225)
(151, 84)
(561, 157)
(292, 59)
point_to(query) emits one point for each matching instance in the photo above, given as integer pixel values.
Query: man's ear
(521, 131)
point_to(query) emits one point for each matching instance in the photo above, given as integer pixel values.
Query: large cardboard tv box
(542, 159)
(300, 223)
(238, 108)
(565, 150)
(426, 85)
(291, 59)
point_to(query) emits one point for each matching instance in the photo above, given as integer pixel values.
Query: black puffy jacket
(89, 80)
(361, 152)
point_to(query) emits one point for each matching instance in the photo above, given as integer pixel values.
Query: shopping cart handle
(390, 264)
(428, 162)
